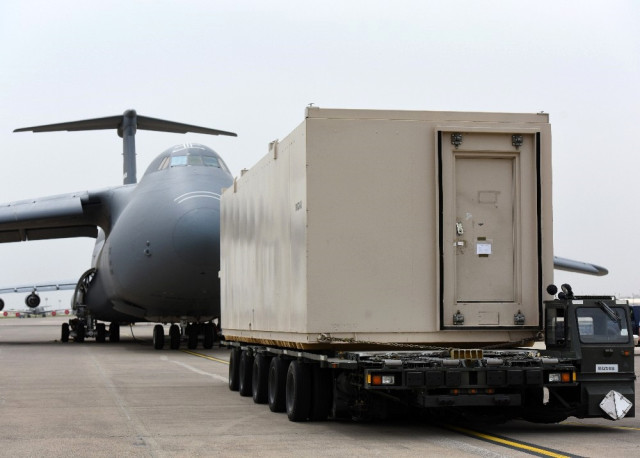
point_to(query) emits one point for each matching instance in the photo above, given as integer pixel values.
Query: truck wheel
(246, 372)
(298, 391)
(208, 335)
(276, 384)
(192, 336)
(260, 379)
(321, 393)
(234, 366)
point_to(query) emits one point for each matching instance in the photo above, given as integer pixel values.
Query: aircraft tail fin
(127, 124)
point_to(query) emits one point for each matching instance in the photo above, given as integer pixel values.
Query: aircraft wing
(37, 287)
(580, 267)
(53, 217)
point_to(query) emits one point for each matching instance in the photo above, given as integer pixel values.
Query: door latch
(459, 229)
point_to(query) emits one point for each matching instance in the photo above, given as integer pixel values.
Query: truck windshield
(603, 325)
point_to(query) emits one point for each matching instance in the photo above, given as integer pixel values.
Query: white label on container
(483, 248)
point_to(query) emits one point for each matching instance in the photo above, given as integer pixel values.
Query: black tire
(260, 379)
(208, 336)
(277, 383)
(64, 334)
(321, 393)
(80, 331)
(234, 366)
(192, 337)
(158, 337)
(174, 336)
(114, 331)
(298, 391)
(245, 373)
(101, 333)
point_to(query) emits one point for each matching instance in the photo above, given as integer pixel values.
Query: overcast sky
(253, 66)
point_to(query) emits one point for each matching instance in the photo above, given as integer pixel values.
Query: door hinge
(456, 139)
(458, 318)
(518, 318)
(516, 140)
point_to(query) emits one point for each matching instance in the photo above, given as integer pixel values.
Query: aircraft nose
(196, 237)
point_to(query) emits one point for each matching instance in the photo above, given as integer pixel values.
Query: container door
(489, 240)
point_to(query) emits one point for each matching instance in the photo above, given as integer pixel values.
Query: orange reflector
(626, 353)
(473, 391)
(376, 380)
(455, 391)
(489, 391)
(566, 377)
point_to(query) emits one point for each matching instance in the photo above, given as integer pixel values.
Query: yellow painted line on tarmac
(593, 425)
(193, 353)
(516, 445)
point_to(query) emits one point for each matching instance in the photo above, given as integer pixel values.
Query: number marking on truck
(606, 368)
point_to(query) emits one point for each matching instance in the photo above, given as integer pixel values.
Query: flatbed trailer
(586, 370)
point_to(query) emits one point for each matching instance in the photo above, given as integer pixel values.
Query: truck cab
(595, 334)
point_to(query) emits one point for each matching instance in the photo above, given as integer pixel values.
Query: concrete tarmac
(128, 399)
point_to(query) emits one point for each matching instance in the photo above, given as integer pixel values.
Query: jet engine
(1, 305)
(32, 300)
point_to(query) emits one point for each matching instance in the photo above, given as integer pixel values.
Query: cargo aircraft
(156, 256)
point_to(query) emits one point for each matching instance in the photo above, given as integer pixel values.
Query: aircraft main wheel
(114, 331)
(276, 385)
(192, 334)
(158, 337)
(245, 373)
(234, 366)
(101, 333)
(298, 391)
(260, 379)
(64, 337)
(208, 335)
(80, 331)
(174, 336)
(321, 393)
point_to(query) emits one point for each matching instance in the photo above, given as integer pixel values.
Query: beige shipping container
(391, 227)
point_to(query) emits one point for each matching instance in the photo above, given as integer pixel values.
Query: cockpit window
(181, 161)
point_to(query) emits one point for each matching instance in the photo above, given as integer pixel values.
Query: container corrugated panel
(391, 227)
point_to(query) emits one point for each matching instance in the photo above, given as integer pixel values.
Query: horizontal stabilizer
(116, 122)
(570, 265)
(127, 124)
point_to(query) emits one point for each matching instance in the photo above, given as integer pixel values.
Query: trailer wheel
(276, 385)
(298, 391)
(234, 372)
(260, 379)
(208, 335)
(321, 393)
(246, 372)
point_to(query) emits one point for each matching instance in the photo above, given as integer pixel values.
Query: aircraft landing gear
(158, 337)
(174, 336)
(114, 331)
(64, 337)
